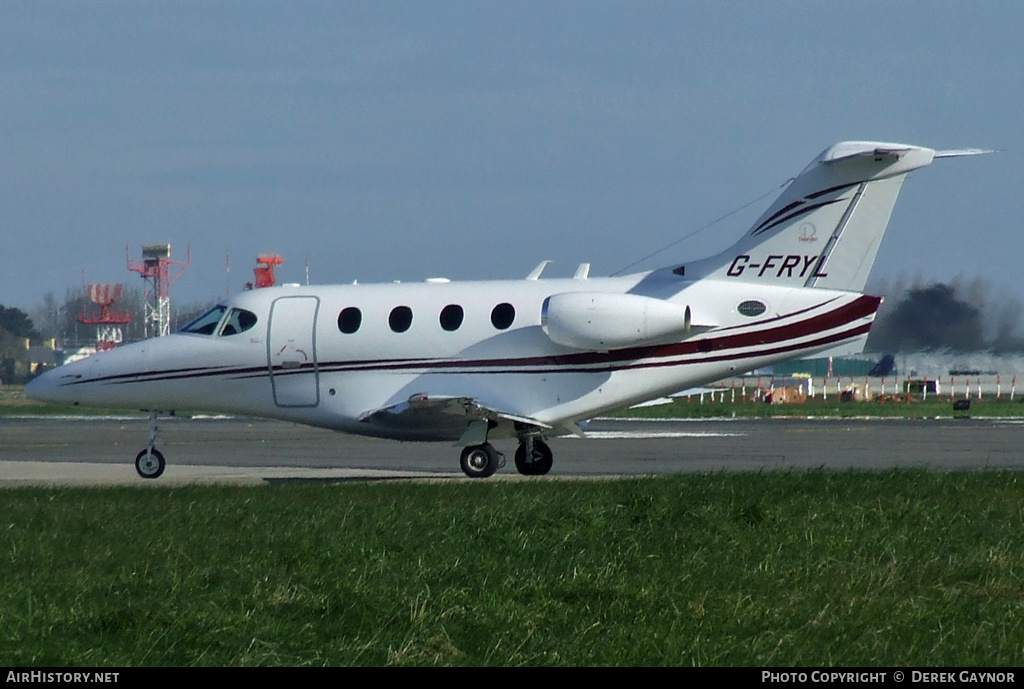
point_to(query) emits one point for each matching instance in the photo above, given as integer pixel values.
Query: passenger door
(291, 351)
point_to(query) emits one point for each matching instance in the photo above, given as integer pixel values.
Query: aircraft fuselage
(296, 364)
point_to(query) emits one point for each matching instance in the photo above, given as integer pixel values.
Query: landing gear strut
(533, 457)
(481, 461)
(150, 463)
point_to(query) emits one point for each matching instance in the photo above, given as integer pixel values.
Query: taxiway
(40, 451)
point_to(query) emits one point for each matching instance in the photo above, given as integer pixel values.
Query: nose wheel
(150, 463)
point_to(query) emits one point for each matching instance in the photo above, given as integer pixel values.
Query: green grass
(831, 408)
(14, 402)
(818, 568)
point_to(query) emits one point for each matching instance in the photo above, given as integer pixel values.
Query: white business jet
(469, 362)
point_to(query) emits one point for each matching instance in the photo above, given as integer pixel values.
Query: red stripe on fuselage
(701, 349)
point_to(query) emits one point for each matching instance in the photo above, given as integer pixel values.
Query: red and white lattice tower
(108, 322)
(155, 268)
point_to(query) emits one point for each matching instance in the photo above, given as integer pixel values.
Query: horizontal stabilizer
(960, 152)
(858, 149)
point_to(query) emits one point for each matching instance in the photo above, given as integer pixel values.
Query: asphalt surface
(42, 451)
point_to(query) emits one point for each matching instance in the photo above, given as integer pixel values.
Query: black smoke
(961, 316)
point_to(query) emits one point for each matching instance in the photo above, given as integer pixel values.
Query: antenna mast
(155, 268)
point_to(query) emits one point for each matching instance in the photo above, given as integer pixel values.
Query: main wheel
(150, 463)
(479, 461)
(536, 463)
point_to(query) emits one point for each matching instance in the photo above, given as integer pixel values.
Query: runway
(80, 451)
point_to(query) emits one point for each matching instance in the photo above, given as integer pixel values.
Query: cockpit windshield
(237, 321)
(207, 323)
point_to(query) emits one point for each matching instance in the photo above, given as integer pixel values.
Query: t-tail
(825, 229)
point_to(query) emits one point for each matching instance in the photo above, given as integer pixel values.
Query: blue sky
(405, 140)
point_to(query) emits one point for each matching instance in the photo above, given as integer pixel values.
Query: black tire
(479, 461)
(150, 463)
(539, 463)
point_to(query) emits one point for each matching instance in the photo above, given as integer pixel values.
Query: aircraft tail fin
(825, 229)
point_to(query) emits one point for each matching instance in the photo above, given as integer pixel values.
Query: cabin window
(400, 318)
(751, 308)
(238, 321)
(349, 320)
(451, 317)
(207, 323)
(502, 316)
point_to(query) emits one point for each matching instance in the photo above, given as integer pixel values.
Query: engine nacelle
(596, 320)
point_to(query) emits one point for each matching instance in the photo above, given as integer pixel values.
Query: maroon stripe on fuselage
(512, 366)
(861, 307)
(701, 350)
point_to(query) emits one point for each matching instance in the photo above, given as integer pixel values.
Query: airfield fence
(791, 389)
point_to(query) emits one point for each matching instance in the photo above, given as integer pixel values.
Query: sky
(385, 141)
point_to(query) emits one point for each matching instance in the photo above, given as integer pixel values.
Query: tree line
(958, 316)
(57, 321)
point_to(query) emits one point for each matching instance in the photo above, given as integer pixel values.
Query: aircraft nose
(42, 388)
(53, 386)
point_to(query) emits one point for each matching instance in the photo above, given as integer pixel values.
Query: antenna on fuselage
(535, 273)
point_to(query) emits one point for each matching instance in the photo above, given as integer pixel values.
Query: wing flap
(444, 417)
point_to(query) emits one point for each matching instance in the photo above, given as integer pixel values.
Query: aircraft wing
(462, 418)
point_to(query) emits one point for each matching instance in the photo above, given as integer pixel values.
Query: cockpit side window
(207, 323)
(238, 321)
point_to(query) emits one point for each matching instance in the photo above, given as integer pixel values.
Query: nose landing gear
(150, 463)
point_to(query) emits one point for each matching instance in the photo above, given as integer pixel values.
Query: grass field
(817, 568)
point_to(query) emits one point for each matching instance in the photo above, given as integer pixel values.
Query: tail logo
(808, 232)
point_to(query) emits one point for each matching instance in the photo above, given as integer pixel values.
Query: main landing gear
(533, 458)
(150, 463)
(481, 461)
